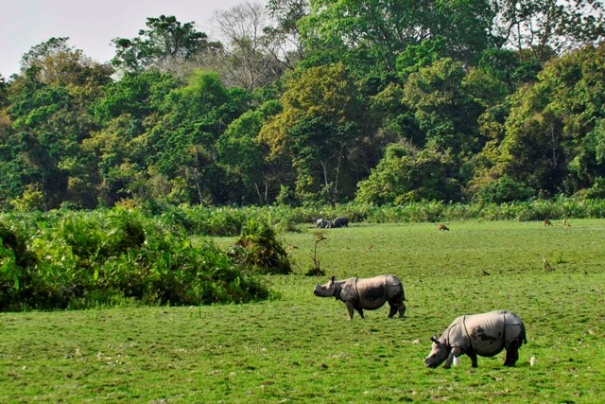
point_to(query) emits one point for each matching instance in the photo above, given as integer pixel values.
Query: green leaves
(165, 42)
(80, 260)
(318, 128)
(407, 175)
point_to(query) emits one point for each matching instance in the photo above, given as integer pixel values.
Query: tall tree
(443, 108)
(287, 45)
(184, 139)
(252, 176)
(548, 27)
(247, 59)
(407, 174)
(384, 28)
(48, 127)
(50, 114)
(553, 135)
(165, 45)
(320, 126)
(128, 109)
(58, 63)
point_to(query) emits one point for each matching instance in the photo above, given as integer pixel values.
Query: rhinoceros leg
(512, 353)
(454, 353)
(399, 307)
(473, 356)
(396, 301)
(351, 308)
(512, 350)
(402, 310)
(511, 357)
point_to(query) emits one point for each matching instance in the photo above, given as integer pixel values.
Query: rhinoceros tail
(523, 334)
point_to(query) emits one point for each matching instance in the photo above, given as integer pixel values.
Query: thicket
(65, 259)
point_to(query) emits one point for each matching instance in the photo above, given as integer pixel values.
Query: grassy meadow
(301, 348)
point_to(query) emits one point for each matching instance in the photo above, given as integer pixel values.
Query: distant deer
(565, 224)
(547, 223)
(441, 226)
(547, 265)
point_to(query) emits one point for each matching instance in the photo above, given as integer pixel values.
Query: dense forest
(319, 101)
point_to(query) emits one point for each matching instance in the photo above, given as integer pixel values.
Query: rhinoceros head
(438, 354)
(326, 290)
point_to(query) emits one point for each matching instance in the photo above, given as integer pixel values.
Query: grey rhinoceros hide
(323, 224)
(366, 293)
(485, 334)
(340, 222)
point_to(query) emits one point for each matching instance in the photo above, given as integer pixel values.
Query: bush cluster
(83, 259)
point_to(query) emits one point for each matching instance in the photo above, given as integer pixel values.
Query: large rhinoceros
(485, 334)
(340, 222)
(366, 293)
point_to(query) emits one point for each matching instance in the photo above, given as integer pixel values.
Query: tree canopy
(318, 101)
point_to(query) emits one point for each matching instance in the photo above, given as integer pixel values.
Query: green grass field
(301, 348)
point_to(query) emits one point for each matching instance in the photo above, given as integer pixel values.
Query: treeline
(379, 102)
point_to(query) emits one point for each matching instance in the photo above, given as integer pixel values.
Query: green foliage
(406, 175)
(550, 119)
(165, 41)
(445, 107)
(343, 81)
(318, 130)
(245, 157)
(99, 258)
(258, 248)
(30, 200)
(135, 95)
(385, 28)
(415, 57)
(503, 190)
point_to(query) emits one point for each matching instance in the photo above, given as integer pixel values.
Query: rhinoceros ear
(435, 340)
(333, 278)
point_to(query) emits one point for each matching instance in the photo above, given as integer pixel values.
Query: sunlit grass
(301, 348)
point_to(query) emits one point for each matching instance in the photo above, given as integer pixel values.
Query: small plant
(316, 269)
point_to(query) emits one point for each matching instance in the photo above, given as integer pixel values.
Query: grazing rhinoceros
(340, 222)
(323, 224)
(366, 293)
(485, 334)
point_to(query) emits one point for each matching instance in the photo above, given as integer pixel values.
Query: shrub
(84, 259)
(503, 190)
(258, 248)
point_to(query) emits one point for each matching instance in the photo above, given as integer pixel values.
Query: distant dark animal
(547, 223)
(441, 226)
(485, 334)
(323, 224)
(340, 222)
(366, 293)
